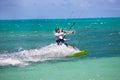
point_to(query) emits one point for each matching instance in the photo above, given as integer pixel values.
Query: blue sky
(40, 9)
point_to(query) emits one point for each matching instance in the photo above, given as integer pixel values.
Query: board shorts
(61, 40)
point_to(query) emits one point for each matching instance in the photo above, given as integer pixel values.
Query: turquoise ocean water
(28, 50)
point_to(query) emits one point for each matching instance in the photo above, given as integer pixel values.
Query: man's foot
(71, 47)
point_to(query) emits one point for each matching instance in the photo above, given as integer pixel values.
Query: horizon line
(56, 18)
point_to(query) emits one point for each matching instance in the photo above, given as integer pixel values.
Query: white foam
(9, 61)
(49, 52)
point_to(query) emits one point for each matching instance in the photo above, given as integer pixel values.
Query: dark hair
(57, 29)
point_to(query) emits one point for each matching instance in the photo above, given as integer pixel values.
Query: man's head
(57, 30)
